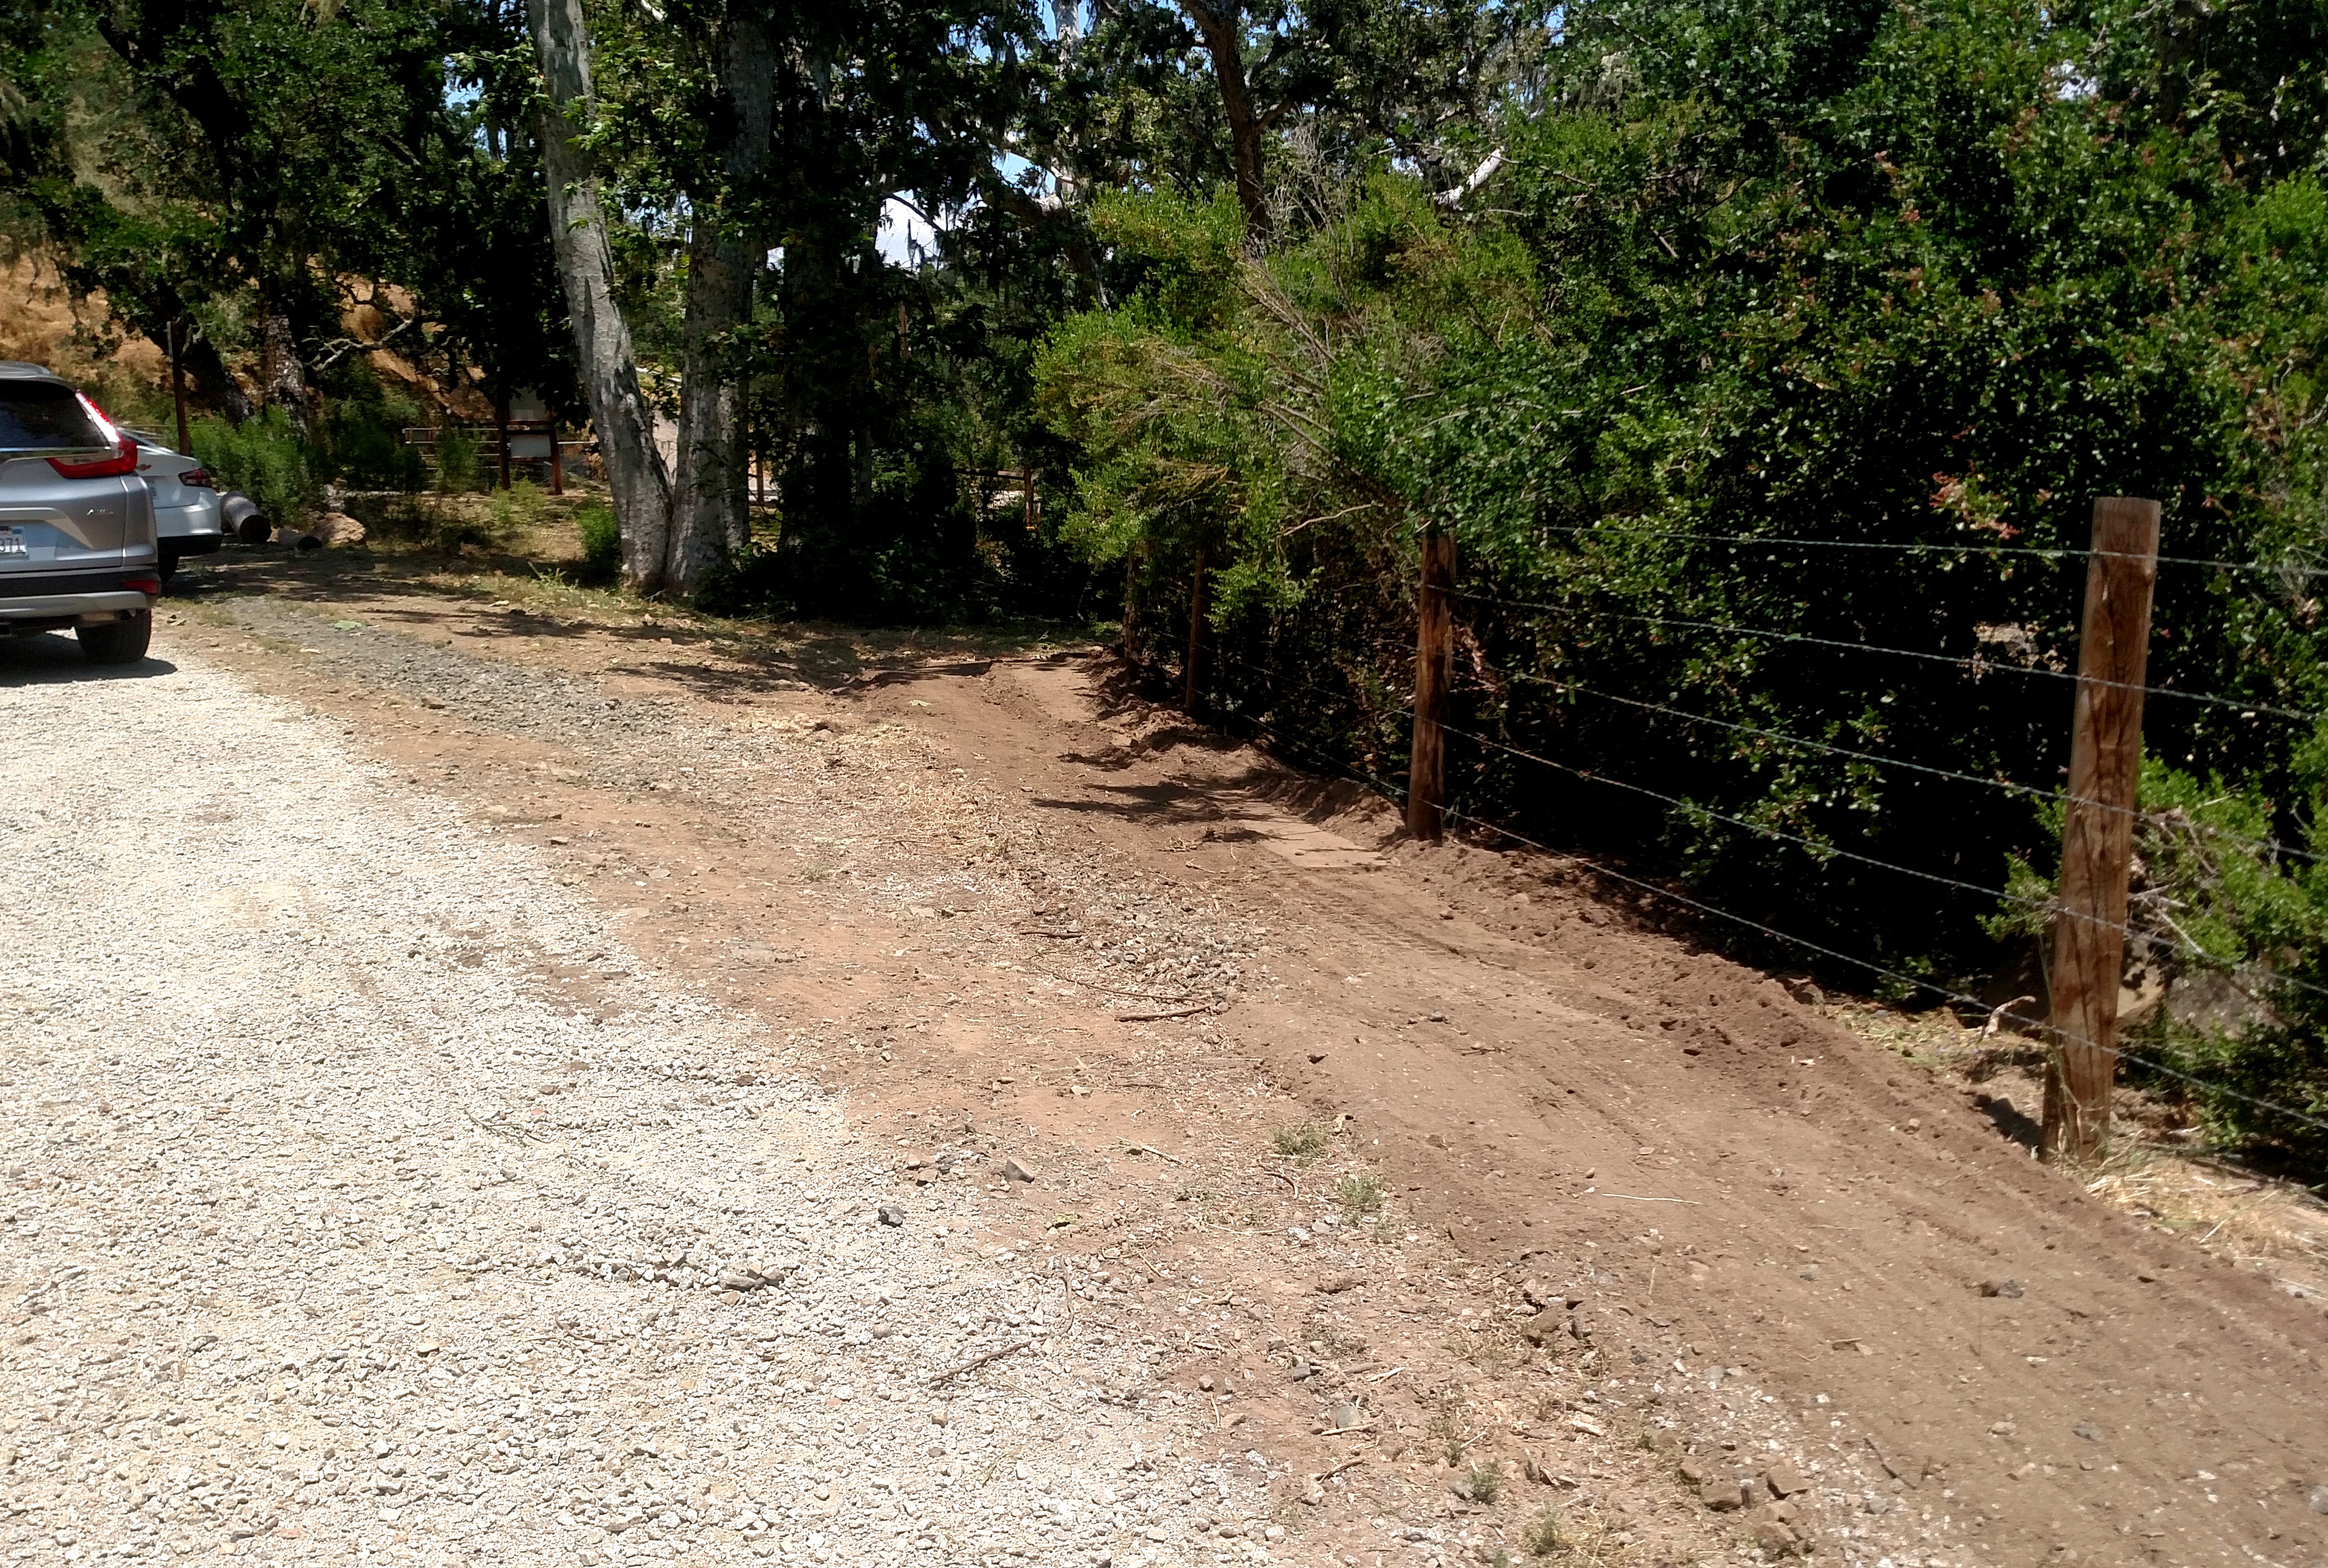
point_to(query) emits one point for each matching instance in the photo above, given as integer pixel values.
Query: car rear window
(43, 416)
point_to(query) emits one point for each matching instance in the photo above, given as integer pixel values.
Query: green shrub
(1361, 1194)
(264, 458)
(602, 542)
(2234, 928)
(459, 467)
(368, 450)
(1543, 1535)
(523, 505)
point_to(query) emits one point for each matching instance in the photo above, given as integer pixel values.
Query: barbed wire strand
(1873, 968)
(2011, 786)
(1274, 677)
(2246, 709)
(2186, 949)
(1396, 791)
(1919, 548)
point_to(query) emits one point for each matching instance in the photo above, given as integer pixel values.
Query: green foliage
(1542, 1537)
(1359, 1194)
(363, 440)
(460, 462)
(2228, 929)
(226, 163)
(1831, 270)
(1306, 1141)
(523, 505)
(264, 458)
(602, 542)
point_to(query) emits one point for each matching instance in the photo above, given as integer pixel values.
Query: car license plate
(12, 541)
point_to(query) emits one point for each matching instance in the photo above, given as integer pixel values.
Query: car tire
(122, 642)
(166, 566)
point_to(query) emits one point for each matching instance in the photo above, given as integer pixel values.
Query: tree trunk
(1220, 22)
(709, 505)
(283, 379)
(586, 265)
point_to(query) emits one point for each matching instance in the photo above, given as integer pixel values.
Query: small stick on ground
(975, 1362)
(1338, 1470)
(1178, 1013)
(1280, 1175)
(1150, 1149)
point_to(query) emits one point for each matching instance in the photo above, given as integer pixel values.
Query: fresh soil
(1198, 992)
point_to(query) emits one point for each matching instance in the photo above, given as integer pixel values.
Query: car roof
(18, 371)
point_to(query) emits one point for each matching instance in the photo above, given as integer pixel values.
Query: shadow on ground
(55, 658)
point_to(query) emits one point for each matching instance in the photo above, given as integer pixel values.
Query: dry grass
(41, 323)
(2247, 1217)
(2153, 1175)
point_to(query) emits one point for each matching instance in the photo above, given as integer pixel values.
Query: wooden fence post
(500, 425)
(2097, 827)
(1434, 670)
(1191, 688)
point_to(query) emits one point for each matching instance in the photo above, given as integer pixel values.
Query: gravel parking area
(336, 1232)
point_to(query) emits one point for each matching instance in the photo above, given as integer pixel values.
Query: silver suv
(77, 546)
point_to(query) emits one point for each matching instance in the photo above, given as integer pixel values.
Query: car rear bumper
(189, 530)
(42, 602)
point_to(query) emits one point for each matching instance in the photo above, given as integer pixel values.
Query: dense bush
(365, 446)
(602, 542)
(460, 468)
(1920, 279)
(265, 458)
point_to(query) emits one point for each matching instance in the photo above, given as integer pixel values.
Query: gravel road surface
(334, 1231)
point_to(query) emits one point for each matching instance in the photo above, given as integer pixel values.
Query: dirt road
(1460, 1204)
(340, 1221)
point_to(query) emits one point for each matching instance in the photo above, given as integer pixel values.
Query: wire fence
(1346, 718)
(1979, 666)
(1920, 547)
(1391, 790)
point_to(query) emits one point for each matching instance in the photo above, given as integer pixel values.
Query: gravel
(329, 1223)
(1129, 935)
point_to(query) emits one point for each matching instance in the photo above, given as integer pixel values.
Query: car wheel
(166, 566)
(122, 642)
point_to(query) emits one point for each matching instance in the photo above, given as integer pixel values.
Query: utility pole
(1435, 671)
(1190, 683)
(2097, 828)
(178, 385)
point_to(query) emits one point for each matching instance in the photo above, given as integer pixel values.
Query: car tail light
(125, 451)
(198, 479)
(150, 587)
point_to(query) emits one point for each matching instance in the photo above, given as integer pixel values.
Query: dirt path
(969, 893)
(344, 1222)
